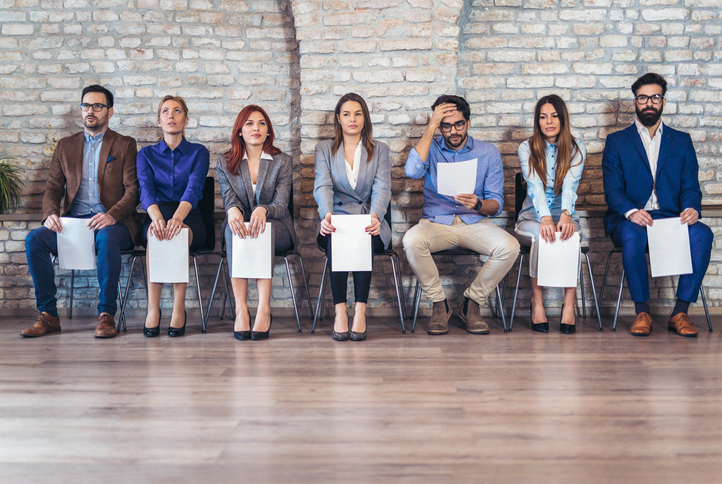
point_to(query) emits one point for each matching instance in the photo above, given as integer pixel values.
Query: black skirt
(194, 221)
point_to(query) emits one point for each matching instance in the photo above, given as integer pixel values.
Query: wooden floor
(504, 408)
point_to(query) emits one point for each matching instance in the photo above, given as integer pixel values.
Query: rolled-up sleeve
(534, 184)
(197, 178)
(415, 167)
(494, 183)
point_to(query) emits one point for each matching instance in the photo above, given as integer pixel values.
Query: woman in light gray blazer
(352, 177)
(256, 180)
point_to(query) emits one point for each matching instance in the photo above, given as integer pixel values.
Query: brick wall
(296, 58)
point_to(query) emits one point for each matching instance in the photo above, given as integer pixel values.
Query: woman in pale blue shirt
(551, 162)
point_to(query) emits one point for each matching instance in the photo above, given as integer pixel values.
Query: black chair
(291, 251)
(618, 250)
(520, 196)
(456, 252)
(395, 266)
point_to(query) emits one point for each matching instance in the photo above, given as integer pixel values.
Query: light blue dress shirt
(489, 179)
(87, 200)
(541, 202)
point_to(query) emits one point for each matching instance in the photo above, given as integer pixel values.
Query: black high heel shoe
(356, 336)
(151, 332)
(259, 335)
(178, 331)
(539, 328)
(243, 335)
(566, 328)
(344, 336)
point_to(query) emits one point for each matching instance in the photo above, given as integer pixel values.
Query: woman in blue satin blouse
(552, 161)
(171, 175)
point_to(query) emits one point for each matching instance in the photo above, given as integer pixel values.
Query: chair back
(207, 207)
(519, 194)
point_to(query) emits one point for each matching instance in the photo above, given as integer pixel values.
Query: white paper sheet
(456, 178)
(253, 258)
(168, 259)
(350, 243)
(669, 251)
(76, 245)
(559, 262)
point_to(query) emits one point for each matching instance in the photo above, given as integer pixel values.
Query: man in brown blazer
(92, 176)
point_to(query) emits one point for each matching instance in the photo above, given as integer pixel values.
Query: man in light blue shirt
(461, 221)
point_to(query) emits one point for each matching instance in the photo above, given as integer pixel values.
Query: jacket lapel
(664, 146)
(246, 179)
(363, 184)
(340, 165)
(262, 173)
(77, 160)
(638, 145)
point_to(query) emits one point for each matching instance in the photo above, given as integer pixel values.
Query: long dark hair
(567, 147)
(367, 133)
(234, 156)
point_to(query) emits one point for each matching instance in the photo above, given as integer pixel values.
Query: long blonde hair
(567, 147)
(367, 133)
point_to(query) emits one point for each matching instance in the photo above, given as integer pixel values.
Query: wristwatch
(567, 212)
(477, 207)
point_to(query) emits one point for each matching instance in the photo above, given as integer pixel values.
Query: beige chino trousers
(483, 237)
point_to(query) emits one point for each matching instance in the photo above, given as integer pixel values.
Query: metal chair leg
(124, 298)
(401, 285)
(594, 292)
(320, 295)
(581, 285)
(704, 303)
(619, 301)
(417, 301)
(416, 295)
(72, 290)
(516, 291)
(228, 295)
(305, 284)
(398, 294)
(503, 319)
(293, 293)
(213, 294)
(198, 286)
(604, 279)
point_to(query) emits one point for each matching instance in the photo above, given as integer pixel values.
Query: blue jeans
(109, 241)
(633, 240)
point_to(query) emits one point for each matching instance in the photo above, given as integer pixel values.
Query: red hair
(234, 156)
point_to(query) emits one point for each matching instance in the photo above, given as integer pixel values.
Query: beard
(455, 144)
(649, 116)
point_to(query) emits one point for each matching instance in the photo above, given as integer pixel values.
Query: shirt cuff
(630, 212)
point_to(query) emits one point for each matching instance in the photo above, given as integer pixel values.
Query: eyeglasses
(446, 127)
(97, 107)
(656, 99)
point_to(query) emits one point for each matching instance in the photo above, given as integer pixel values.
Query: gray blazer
(334, 194)
(275, 180)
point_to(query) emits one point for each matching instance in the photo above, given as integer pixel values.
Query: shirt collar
(182, 147)
(97, 137)
(550, 146)
(264, 156)
(467, 147)
(642, 128)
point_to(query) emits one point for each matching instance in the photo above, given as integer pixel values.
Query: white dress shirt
(352, 172)
(651, 147)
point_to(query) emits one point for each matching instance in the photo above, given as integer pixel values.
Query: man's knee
(702, 234)
(633, 236)
(36, 239)
(415, 239)
(507, 248)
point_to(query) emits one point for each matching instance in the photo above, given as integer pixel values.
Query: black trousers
(339, 280)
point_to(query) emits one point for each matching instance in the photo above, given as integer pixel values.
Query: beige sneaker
(439, 323)
(472, 317)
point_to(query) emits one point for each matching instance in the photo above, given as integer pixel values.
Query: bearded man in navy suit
(650, 172)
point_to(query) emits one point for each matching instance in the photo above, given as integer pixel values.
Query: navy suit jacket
(628, 181)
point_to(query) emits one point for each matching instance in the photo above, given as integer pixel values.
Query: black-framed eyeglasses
(656, 99)
(446, 127)
(97, 107)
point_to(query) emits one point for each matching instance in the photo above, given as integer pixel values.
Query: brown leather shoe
(44, 325)
(106, 326)
(682, 325)
(642, 326)
(472, 319)
(439, 323)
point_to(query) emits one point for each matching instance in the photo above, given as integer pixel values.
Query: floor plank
(507, 407)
